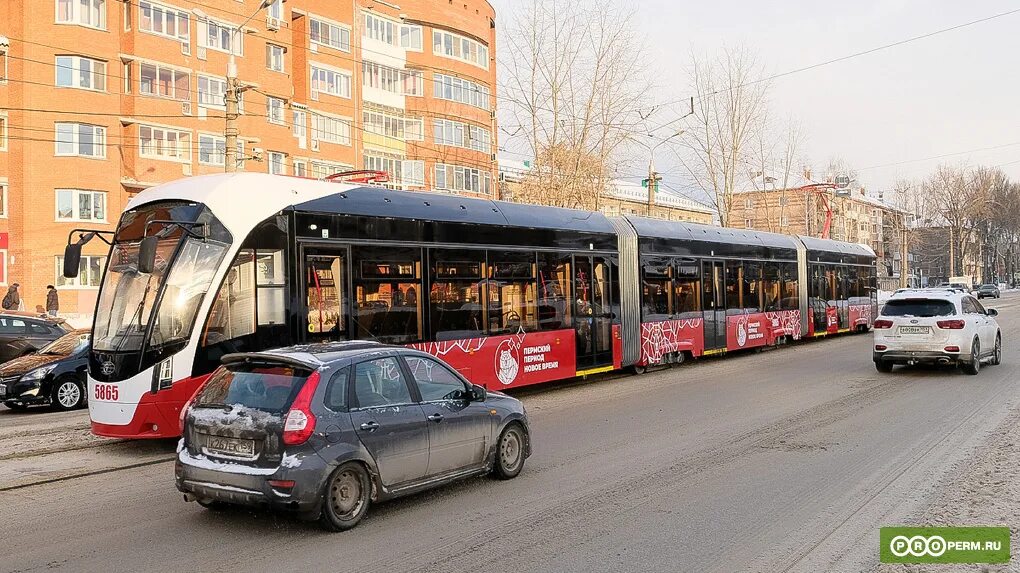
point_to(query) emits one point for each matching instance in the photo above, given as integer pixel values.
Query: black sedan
(55, 375)
(988, 291)
(23, 333)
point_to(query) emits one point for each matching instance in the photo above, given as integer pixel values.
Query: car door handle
(437, 417)
(370, 426)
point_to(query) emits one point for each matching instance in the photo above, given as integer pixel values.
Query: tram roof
(658, 228)
(378, 202)
(831, 246)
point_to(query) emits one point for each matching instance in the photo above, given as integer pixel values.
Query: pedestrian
(52, 301)
(12, 300)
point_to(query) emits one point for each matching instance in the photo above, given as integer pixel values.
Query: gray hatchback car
(325, 430)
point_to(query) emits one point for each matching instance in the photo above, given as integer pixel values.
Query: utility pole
(231, 130)
(653, 184)
(904, 255)
(952, 254)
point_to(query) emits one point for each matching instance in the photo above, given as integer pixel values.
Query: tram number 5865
(107, 392)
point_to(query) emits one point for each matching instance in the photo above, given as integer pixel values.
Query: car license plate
(913, 330)
(231, 447)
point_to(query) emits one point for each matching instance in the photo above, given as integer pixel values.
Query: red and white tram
(508, 294)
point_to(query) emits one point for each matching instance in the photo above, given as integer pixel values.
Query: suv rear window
(921, 307)
(266, 387)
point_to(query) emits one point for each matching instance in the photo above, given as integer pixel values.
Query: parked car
(936, 326)
(326, 430)
(54, 375)
(988, 291)
(23, 333)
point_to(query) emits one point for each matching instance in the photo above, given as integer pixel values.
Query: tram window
(455, 294)
(512, 304)
(791, 294)
(687, 288)
(327, 295)
(233, 311)
(656, 297)
(867, 278)
(853, 286)
(271, 287)
(830, 283)
(752, 287)
(554, 291)
(387, 285)
(734, 278)
(772, 286)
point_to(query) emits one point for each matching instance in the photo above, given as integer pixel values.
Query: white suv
(936, 326)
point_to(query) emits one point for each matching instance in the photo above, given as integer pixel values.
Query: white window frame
(3, 65)
(160, 67)
(295, 164)
(334, 136)
(4, 186)
(276, 58)
(376, 26)
(276, 158)
(341, 28)
(748, 223)
(3, 131)
(219, 158)
(209, 81)
(457, 44)
(318, 168)
(276, 110)
(325, 70)
(165, 9)
(183, 146)
(784, 221)
(453, 173)
(408, 33)
(76, 16)
(203, 40)
(75, 283)
(462, 135)
(98, 137)
(462, 91)
(76, 206)
(75, 71)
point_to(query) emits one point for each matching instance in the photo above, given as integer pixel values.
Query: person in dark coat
(52, 301)
(12, 300)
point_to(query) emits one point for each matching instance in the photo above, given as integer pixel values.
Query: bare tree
(571, 78)
(774, 162)
(729, 111)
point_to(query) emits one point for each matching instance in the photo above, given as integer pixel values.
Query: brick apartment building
(100, 99)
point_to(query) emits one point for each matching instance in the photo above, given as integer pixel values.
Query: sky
(954, 92)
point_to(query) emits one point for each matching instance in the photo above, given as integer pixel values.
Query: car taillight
(952, 349)
(881, 323)
(880, 347)
(951, 324)
(300, 422)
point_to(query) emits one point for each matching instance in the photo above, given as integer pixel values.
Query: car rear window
(266, 387)
(922, 307)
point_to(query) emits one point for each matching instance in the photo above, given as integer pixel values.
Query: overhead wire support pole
(231, 129)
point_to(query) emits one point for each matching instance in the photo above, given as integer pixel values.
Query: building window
(401, 128)
(80, 139)
(220, 36)
(458, 178)
(381, 29)
(300, 168)
(411, 37)
(90, 272)
(89, 13)
(748, 203)
(212, 150)
(300, 124)
(331, 129)
(458, 134)
(275, 10)
(275, 110)
(162, 143)
(81, 205)
(462, 91)
(163, 21)
(3, 200)
(784, 221)
(332, 82)
(323, 169)
(274, 57)
(393, 80)
(3, 64)
(458, 47)
(748, 223)
(784, 201)
(329, 34)
(3, 132)
(277, 163)
(402, 172)
(161, 81)
(212, 92)
(81, 73)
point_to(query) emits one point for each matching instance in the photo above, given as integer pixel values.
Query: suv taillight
(300, 422)
(881, 323)
(951, 324)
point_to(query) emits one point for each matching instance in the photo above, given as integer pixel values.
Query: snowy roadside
(982, 490)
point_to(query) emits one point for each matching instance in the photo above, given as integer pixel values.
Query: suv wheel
(67, 394)
(974, 366)
(347, 496)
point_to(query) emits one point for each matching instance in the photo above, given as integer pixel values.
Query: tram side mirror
(72, 258)
(146, 255)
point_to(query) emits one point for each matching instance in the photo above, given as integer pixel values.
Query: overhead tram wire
(933, 157)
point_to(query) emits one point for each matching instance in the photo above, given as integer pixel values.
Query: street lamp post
(653, 181)
(230, 127)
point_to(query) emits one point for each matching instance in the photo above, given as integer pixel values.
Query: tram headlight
(39, 373)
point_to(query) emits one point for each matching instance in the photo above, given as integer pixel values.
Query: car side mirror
(476, 393)
(72, 258)
(147, 255)
(992, 312)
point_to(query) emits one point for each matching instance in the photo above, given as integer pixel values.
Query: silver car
(326, 430)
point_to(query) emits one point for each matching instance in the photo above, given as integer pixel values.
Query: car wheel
(975, 359)
(997, 356)
(67, 394)
(213, 504)
(883, 366)
(510, 452)
(347, 496)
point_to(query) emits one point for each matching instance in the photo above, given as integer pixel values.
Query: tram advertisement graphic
(658, 339)
(831, 319)
(860, 314)
(509, 361)
(761, 328)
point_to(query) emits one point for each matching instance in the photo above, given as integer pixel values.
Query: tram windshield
(165, 301)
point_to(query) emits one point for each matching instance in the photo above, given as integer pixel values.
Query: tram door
(714, 301)
(325, 276)
(593, 318)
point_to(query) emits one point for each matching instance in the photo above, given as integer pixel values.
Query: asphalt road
(787, 460)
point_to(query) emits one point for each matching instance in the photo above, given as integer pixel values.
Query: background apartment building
(100, 99)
